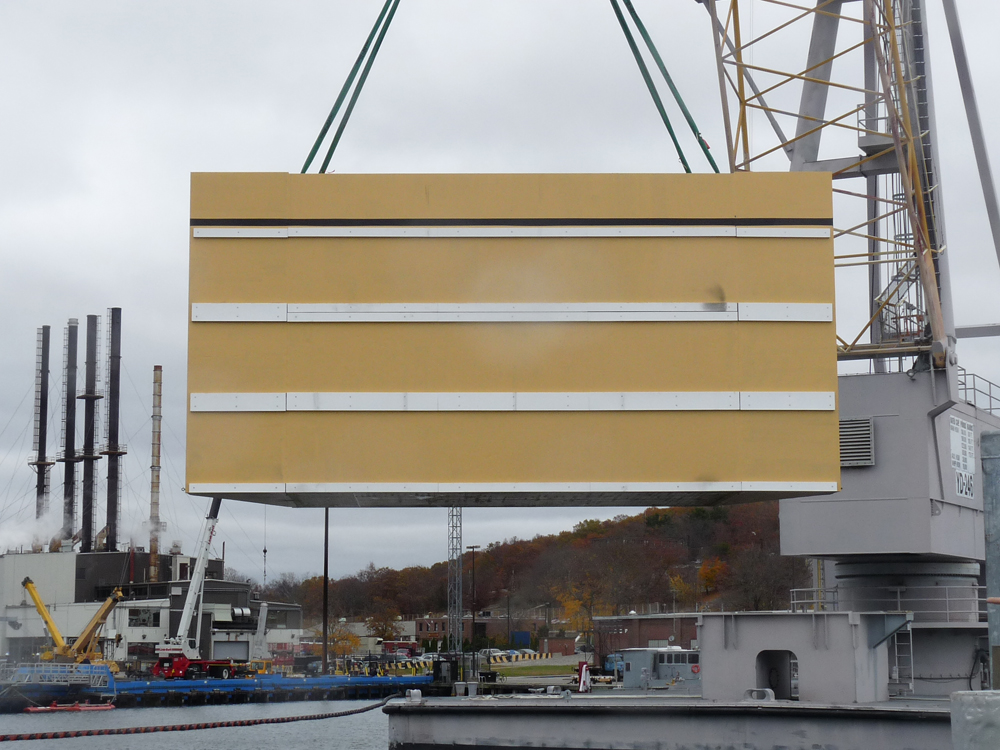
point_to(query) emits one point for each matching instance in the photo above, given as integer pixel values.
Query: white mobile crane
(179, 656)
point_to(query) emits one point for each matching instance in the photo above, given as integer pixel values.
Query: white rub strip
(513, 401)
(242, 232)
(523, 401)
(526, 487)
(503, 307)
(782, 312)
(487, 232)
(500, 312)
(250, 402)
(239, 312)
(802, 233)
(514, 231)
(797, 401)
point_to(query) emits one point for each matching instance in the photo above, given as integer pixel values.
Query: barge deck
(603, 722)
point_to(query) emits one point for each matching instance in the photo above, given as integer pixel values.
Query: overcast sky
(107, 107)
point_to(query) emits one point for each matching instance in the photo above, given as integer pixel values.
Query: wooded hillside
(697, 558)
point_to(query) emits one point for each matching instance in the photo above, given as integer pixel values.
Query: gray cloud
(109, 106)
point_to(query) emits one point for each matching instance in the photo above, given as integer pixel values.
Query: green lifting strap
(346, 88)
(361, 85)
(649, 82)
(673, 89)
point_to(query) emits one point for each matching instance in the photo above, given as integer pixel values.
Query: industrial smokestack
(41, 462)
(114, 450)
(69, 457)
(89, 457)
(154, 478)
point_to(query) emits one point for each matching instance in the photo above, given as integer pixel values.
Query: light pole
(472, 637)
(508, 618)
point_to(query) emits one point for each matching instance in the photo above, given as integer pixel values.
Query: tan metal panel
(261, 453)
(681, 269)
(511, 447)
(510, 196)
(703, 356)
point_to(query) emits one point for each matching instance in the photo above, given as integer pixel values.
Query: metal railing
(936, 604)
(978, 391)
(43, 673)
(815, 600)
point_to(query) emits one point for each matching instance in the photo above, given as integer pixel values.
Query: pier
(260, 689)
(41, 684)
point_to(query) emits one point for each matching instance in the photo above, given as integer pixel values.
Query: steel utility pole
(472, 636)
(326, 588)
(508, 618)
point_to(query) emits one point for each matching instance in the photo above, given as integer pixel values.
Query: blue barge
(41, 684)
(266, 688)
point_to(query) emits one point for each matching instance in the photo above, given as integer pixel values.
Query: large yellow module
(511, 339)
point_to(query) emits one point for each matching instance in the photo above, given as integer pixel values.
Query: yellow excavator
(84, 648)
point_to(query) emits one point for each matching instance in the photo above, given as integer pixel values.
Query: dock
(604, 722)
(41, 684)
(267, 688)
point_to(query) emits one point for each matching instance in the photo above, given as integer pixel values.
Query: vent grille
(857, 442)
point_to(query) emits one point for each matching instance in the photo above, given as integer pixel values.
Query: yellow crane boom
(43, 612)
(83, 647)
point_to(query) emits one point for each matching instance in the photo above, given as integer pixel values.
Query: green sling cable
(673, 89)
(361, 84)
(649, 82)
(346, 88)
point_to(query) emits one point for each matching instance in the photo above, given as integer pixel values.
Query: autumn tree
(598, 567)
(711, 573)
(284, 588)
(683, 592)
(384, 621)
(343, 641)
(761, 579)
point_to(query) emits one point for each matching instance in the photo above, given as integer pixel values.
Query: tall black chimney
(89, 457)
(69, 432)
(114, 451)
(41, 462)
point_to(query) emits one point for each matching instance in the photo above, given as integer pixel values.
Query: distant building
(655, 630)
(73, 585)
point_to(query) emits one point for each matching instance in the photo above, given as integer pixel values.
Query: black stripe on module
(508, 222)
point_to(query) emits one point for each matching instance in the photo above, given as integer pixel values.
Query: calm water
(367, 731)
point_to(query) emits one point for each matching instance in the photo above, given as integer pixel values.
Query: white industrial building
(73, 585)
